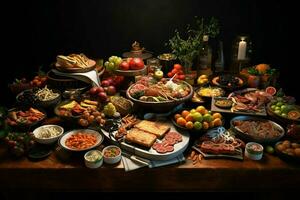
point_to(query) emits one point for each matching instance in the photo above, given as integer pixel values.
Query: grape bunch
(113, 63)
(110, 110)
(19, 143)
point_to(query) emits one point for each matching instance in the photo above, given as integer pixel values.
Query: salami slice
(156, 145)
(161, 150)
(169, 148)
(171, 141)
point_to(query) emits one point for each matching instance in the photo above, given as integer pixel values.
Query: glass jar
(153, 65)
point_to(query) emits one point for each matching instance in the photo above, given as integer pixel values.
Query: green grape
(106, 64)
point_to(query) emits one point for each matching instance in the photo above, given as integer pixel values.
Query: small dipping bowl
(93, 159)
(254, 150)
(112, 154)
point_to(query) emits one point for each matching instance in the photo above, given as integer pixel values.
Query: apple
(100, 89)
(105, 83)
(103, 96)
(94, 90)
(158, 74)
(110, 80)
(124, 66)
(136, 63)
(111, 90)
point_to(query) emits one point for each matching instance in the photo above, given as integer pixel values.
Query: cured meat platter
(181, 141)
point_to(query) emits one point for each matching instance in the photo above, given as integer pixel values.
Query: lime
(284, 108)
(278, 112)
(284, 115)
(279, 104)
(273, 107)
(278, 108)
(197, 125)
(207, 118)
(269, 149)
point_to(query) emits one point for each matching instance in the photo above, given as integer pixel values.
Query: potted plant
(187, 48)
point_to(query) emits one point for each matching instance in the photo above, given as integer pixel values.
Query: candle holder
(241, 54)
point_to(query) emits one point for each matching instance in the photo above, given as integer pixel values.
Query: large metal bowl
(163, 106)
(250, 138)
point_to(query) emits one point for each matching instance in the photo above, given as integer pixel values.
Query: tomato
(181, 77)
(124, 65)
(177, 66)
(174, 71)
(180, 72)
(170, 74)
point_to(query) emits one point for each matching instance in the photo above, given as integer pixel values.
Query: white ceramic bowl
(114, 159)
(93, 162)
(48, 140)
(99, 138)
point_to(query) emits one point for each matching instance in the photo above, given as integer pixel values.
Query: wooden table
(269, 174)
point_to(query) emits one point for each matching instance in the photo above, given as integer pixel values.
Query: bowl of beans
(112, 154)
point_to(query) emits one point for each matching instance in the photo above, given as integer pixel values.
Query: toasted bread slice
(140, 137)
(157, 128)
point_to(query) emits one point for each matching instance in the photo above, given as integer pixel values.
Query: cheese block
(157, 128)
(140, 137)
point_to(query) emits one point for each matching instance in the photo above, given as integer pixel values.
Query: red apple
(136, 63)
(94, 90)
(111, 90)
(100, 89)
(103, 96)
(105, 83)
(124, 65)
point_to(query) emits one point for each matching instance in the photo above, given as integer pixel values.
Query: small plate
(39, 152)
(62, 141)
(92, 66)
(226, 105)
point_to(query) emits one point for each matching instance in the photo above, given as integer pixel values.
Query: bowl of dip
(254, 150)
(112, 154)
(93, 159)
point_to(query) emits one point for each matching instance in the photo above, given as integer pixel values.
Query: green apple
(158, 74)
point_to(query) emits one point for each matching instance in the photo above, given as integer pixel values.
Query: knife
(137, 158)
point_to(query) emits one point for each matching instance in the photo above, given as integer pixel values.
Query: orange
(217, 122)
(189, 125)
(205, 125)
(177, 116)
(262, 68)
(211, 124)
(201, 109)
(189, 118)
(181, 121)
(216, 115)
(185, 113)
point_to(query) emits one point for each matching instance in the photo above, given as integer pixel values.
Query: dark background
(39, 30)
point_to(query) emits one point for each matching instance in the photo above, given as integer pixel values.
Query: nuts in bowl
(48, 134)
(111, 154)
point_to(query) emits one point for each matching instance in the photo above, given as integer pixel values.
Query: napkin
(88, 77)
(133, 162)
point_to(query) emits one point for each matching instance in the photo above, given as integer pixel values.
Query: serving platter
(131, 72)
(251, 138)
(91, 66)
(215, 108)
(151, 154)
